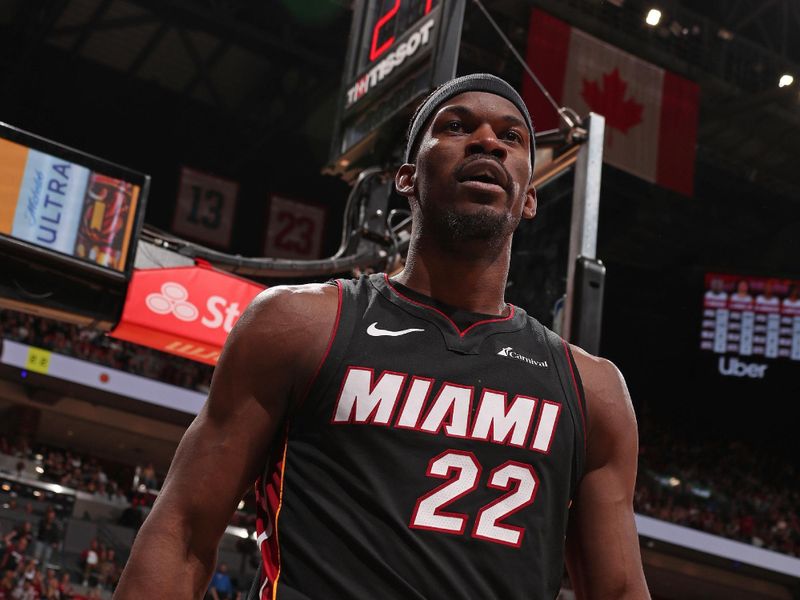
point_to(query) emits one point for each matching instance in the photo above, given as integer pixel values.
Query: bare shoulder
(289, 313)
(291, 303)
(600, 376)
(608, 402)
(282, 336)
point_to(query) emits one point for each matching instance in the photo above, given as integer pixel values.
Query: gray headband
(477, 82)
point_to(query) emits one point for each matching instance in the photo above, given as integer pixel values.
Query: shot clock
(399, 50)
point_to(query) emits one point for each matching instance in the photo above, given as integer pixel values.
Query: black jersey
(426, 461)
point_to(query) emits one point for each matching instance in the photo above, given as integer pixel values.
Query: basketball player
(416, 437)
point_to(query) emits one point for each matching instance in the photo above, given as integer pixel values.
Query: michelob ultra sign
(66, 207)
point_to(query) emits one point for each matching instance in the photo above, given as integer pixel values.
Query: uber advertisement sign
(751, 325)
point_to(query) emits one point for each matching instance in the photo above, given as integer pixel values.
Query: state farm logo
(174, 299)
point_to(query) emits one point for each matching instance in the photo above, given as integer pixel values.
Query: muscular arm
(267, 362)
(603, 557)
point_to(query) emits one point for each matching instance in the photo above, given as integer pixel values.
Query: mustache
(471, 159)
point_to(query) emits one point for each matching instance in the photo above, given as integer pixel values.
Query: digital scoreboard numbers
(400, 33)
(399, 50)
(748, 319)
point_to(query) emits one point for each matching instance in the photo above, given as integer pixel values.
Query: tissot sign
(398, 51)
(415, 43)
(187, 311)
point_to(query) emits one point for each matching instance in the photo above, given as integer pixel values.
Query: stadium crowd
(94, 346)
(31, 565)
(728, 489)
(38, 575)
(84, 473)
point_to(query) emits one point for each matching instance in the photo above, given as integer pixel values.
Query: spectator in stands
(221, 587)
(23, 530)
(90, 560)
(148, 477)
(7, 584)
(108, 569)
(65, 587)
(25, 591)
(29, 570)
(115, 493)
(48, 537)
(51, 591)
(15, 554)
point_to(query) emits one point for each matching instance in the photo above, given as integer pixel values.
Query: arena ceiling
(263, 67)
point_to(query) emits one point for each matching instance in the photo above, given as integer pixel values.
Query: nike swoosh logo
(374, 331)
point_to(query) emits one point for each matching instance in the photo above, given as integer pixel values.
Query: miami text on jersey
(364, 400)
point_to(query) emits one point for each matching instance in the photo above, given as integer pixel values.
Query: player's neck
(475, 283)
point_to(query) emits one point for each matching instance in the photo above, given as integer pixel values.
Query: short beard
(451, 229)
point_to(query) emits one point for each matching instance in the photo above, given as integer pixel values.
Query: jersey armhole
(579, 392)
(334, 330)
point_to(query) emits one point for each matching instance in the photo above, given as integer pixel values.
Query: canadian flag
(651, 113)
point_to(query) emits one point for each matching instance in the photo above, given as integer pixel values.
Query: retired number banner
(205, 208)
(295, 229)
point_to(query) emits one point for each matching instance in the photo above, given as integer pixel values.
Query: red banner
(187, 311)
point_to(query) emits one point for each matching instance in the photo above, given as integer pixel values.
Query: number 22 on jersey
(462, 471)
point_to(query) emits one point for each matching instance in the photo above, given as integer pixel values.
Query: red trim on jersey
(269, 496)
(327, 349)
(581, 400)
(448, 319)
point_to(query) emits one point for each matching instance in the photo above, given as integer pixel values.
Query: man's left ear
(529, 208)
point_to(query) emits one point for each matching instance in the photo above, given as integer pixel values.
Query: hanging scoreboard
(399, 50)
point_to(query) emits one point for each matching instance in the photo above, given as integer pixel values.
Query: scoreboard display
(750, 322)
(399, 50)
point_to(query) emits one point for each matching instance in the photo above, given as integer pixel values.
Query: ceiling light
(653, 17)
(785, 80)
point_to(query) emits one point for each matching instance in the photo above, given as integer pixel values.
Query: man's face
(473, 168)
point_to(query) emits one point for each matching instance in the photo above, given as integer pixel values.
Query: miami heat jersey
(426, 461)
